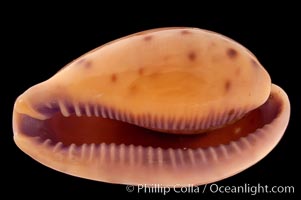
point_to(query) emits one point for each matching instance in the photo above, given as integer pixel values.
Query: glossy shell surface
(165, 106)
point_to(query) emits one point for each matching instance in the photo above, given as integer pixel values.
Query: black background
(37, 43)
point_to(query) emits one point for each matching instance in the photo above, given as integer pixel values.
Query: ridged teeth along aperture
(166, 123)
(87, 109)
(63, 109)
(77, 109)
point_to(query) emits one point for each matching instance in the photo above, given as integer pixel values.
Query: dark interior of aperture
(80, 130)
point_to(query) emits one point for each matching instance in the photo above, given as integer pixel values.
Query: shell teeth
(164, 123)
(223, 120)
(77, 109)
(246, 142)
(102, 152)
(47, 142)
(160, 157)
(117, 116)
(122, 153)
(139, 155)
(63, 109)
(213, 153)
(96, 111)
(211, 121)
(150, 155)
(141, 120)
(181, 156)
(154, 122)
(83, 150)
(235, 146)
(112, 152)
(107, 112)
(92, 151)
(134, 119)
(145, 120)
(172, 157)
(71, 150)
(169, 123)
(182, 125)
(131, 155)
(173, 125)
(203, 125)
(224, 151)
(110, 114)
(124, 117)
(103, 112)
(87, 109)
(202, 155)
(57, 146)
(191, 157)
(193, 123)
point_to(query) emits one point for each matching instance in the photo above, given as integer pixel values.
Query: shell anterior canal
(85, 129)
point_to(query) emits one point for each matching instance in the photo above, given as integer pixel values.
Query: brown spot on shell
(191, 56)
(113, 78)
(133, 89)
(232, 53)
(148, 38)
(84, 62)
(140, 71)
(88, 64)
(212, 44)
(185, 32)
(227, 85)
(81, 61)
(254, 63)
(166, 57)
